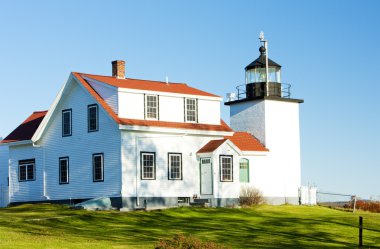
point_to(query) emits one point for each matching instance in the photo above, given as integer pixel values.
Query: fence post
(360, 232)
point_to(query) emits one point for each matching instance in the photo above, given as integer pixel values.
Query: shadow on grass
(262, 227)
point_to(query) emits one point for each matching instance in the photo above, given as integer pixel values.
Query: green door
(244, 170)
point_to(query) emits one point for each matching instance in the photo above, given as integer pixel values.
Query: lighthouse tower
(264, 107)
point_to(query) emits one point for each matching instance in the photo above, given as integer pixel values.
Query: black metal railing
(273, 89)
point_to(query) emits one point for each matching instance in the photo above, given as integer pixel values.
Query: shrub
(180, 241)
(371, 206)
(251, 196)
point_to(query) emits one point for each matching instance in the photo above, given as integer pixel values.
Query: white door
(206, 176)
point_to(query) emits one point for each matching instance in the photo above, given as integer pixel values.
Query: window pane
(30, 172)
(93, 118)
(66, 123)
(22, 172)
(98, 167)
(191, 110)
(64, 171)
(148, 166)
(151, 106)
(226, 168)
(175, 167)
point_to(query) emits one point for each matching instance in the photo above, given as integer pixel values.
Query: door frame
(200, 176)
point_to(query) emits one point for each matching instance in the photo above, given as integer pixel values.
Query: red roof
(222, 127)
(26, 130)
(243, 140)
(149, 85)
(246, 142)
(211, 146)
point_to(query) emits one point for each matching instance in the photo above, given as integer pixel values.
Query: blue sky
(329, 51)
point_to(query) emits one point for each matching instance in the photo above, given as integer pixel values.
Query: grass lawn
(55, 226)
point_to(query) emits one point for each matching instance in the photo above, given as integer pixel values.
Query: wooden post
(360, 232)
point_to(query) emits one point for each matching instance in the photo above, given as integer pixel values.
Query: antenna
(265, 43)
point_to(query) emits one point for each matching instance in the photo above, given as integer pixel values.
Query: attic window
(151, 106)
(191, 110)
(66, 123)
(93, 119)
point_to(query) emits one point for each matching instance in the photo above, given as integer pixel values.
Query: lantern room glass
(256, 75)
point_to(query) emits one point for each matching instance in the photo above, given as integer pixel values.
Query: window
(26, 170)
(93, 118)
(244, 170)
(226, 174)
(151, 106)
(148, 166)
(66, 123)
(63, 170)
(98, 167)
(175, 166)
(191, 110)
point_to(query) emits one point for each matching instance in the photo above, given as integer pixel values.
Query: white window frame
(195, 110)
(61, 159)
(69, 111)
(226, 169)
(26, 164)
(147, 96)
(170, 166)
(101, 155)
(144, 166)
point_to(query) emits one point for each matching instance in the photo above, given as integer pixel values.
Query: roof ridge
(163, 82)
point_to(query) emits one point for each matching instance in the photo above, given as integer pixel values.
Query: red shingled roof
(149, 85)
(26, 130)
(243, 140)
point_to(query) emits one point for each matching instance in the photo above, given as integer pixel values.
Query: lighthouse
(264, 106)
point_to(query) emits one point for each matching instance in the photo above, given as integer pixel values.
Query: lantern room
(257, 82)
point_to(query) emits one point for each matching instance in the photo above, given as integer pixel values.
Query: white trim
(174, 130)
(255, 153)
(23, 142)
(169, 94)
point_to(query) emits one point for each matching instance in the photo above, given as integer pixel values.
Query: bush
(251, 196)
(180, 241)
(372, 206)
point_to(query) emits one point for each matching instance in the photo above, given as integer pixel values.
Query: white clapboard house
(149, 143)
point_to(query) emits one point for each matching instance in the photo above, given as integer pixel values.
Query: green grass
(54, 226)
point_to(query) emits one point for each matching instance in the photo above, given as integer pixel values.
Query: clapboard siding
(28, 190)
(108, 93)
(79, 148)
(161, 145)
(4, 154)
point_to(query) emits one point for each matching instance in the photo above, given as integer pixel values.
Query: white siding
(172, 108)
(27, 190)
(131, 105)
(276, 124)
(208, 111)
(161, 145)
(79, 148)
(4, 155)
(108, 93)
(226, 189)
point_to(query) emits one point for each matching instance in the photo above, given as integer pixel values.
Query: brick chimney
(118, 69)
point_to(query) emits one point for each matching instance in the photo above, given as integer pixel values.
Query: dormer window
(151, 106)
(191, 110)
